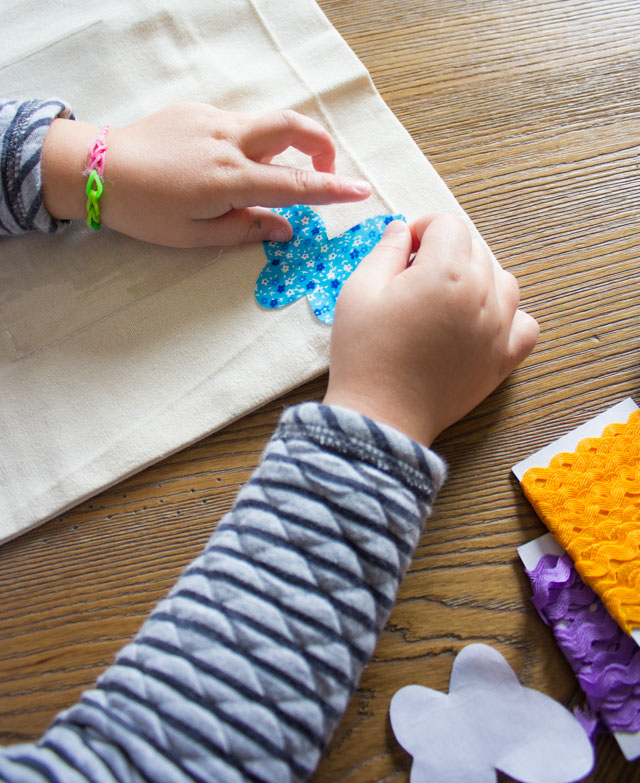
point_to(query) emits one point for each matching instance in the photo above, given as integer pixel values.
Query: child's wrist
(417, 427)
(64, 159)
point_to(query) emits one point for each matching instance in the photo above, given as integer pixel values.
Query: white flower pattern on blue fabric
(318, 266)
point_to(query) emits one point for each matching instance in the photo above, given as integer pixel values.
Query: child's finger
(272, 134)
(507, 290)
(389, 257)
(445, 240)
(522, 339)
(241, 226)
(278, 186)
(418, 227)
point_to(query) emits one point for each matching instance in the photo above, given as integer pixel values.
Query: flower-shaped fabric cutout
(311, 264)
(488, 722)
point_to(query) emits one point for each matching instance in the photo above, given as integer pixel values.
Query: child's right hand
(418, 346)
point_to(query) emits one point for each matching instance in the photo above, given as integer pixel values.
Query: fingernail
(396, 227)
(361, 187)
(279, 235)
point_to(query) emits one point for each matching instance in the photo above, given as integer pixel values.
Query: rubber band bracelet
(95, 172)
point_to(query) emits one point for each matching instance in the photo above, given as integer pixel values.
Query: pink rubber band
(97, 153)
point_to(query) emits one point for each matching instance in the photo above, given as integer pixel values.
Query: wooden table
(530, 111)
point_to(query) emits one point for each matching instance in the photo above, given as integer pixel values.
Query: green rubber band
(94, 191)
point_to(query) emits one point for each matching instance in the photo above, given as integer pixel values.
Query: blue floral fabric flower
(311, 264)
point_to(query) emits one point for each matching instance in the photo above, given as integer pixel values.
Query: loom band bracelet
(94, 191)
(94, 170)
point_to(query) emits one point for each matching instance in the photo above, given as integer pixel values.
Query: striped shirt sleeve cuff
(23, 127)
(353, 436)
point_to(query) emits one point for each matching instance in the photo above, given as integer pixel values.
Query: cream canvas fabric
(115, 353)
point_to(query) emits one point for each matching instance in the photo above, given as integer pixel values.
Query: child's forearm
(244, 670)
(209, 180)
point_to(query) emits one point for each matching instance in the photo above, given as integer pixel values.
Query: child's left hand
(191, 174)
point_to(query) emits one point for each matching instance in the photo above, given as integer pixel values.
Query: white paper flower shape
(488, 722)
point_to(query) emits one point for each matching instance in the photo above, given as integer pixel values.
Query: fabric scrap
(488, 722)
(311, 264)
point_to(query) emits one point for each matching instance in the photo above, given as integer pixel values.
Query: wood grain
(531, 114)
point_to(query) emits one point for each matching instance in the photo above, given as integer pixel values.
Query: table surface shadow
(530, 112)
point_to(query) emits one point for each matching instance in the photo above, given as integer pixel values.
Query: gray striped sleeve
(244, 670)
(23, 126)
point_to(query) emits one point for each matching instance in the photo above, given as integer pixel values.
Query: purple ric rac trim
(606, 661)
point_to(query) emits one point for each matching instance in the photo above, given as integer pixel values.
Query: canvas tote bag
(115, 353)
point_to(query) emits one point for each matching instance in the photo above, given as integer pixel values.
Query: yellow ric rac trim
(590, 501)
